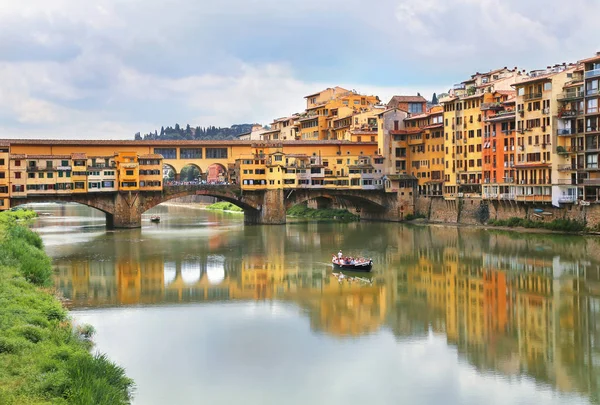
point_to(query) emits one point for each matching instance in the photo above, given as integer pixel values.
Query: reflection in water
(511, 304)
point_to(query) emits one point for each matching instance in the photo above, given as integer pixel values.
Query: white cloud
(94, 69)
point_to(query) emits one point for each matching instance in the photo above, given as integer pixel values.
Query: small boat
(352, 264)
(155, 218)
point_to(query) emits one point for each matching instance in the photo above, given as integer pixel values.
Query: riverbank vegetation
(562, 225)
(43, 360)
(224, 206)
(302, 211)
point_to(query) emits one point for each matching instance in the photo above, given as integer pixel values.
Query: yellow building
(536, 165)
(79, 172)
(128, 170)
(4, 177)
(150, 172)
(426, 150)
(463, 126)
(329, 113)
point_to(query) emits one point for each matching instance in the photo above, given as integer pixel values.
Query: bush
(416, 215)
(483, 213)
(302, 211)
(562, 225)
(224, 206)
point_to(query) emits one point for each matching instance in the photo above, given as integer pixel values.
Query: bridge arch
(190, 172)
(216, 172)
(167, 168)
(103, 205)
(344, 198)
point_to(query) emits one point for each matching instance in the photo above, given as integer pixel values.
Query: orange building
(498, 144)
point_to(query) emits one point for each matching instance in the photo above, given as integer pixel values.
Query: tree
(162, 131)
(138, 136)
(434, 99)
(189, 173)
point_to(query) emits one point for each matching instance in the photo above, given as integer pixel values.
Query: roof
(592, 59)
(405, 99)
(18, 156)
(401, 177)
(48, 156)
(173, 143)
(151, 156)
(415, 117)
(78, 155)
(363, 132)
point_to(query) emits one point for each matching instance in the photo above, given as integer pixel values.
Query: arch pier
(261, 207)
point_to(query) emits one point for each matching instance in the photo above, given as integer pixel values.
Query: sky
(106, 69)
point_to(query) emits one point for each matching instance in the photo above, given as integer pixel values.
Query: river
(200, 309)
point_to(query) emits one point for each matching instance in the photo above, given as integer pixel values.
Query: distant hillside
(199, 133)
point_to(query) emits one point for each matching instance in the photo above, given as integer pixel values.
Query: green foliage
(42, 359)
(189, 173)
(414, 216)
(562, 225)
(483, 213)
(560, 149)
(224, 206)
(198, 133)
(301, 211)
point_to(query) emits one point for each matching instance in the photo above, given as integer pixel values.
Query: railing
(566, 131)
(567, 199)
(591, 166)
(570, 95)
(592, 73)
(569, 168)
(566, 182)
(569, 149)
(569, 113)
(460, 86)
(532, 96)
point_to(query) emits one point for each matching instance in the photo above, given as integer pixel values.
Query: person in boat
(340, 254)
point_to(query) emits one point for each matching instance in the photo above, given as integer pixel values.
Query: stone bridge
(125, 209)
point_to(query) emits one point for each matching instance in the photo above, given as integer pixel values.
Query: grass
(563, 225)
(411, 217)
(301, 211)
(43, 359)
(224, 206)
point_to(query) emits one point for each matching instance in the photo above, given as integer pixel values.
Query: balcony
(591, 166)
(569, 168)
(566, 131)
(532, 96)
(592, 73)
(566, 114)
(459, 86)
(566, 182)
(534, 198)
(565, 150)
(491, 106)
(566, 199)
(570, 95)
(591, 182)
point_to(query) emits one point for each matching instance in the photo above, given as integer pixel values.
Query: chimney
(598, 53)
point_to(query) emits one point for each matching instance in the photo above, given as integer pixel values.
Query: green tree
(434, 99)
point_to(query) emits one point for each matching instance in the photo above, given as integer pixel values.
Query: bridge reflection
(511, 306)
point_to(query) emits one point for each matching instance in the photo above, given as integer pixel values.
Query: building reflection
(511, 306)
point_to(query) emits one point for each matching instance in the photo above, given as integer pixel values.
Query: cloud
(92, 69)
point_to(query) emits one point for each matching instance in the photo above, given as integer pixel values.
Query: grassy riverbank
(301, 211)
(43, 360)
(561, 225)
(224, 206)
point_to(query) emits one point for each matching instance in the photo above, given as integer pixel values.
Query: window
(129, 172)
(41, 175)
(190, 153)
(79, 185)
(50, 175)
(521, 91)
(592, 106)
(17, 175)
(415, 108)
(278, 158)
(216, 153)
(167, 153)
(547, 86)
(64, 163)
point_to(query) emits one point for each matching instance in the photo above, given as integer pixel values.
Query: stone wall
(423, 205)
(443, 211)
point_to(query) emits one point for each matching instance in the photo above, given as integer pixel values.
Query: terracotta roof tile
(151, 156)
(48, 156)
(78, 155)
